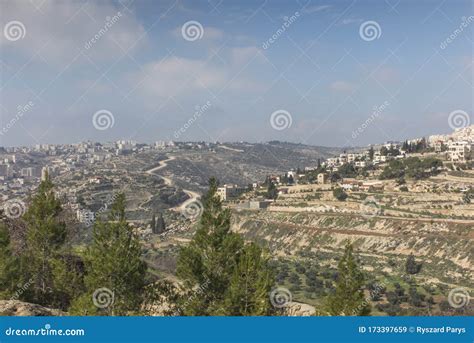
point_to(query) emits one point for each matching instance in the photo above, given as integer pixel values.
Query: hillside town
(86, 166)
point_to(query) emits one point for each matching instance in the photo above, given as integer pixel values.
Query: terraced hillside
(304, 240)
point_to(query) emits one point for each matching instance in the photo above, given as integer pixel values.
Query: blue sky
(319, 73)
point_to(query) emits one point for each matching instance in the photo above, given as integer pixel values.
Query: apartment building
(461, 152)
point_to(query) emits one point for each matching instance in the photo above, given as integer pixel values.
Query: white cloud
(175, 75)
(342, 86)
(387, 75)
(348, 21)
(178, 76)
(58, 30)
(315, 9)
(243, 55)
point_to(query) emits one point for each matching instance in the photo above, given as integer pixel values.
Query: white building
(461, 152)
(229, 191)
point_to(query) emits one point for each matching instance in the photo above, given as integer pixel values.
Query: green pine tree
(9, 266)
(115, 273)
(209, 266)
(250, 284)
(411, 266)
(43, 264)
(348, 298)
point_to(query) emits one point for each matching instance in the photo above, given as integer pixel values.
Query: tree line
(219, 272)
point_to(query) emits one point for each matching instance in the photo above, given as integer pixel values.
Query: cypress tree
(411, 266)
(348, 298)
(153, 223)
(272, 191)
(159, 224)
(115, 274)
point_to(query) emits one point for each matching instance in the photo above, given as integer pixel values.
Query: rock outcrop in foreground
(295, 309)
(19, 308)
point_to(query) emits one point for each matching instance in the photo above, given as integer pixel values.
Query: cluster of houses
(459, 146)
(361, 160)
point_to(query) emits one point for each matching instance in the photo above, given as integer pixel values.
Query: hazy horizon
(309, 72)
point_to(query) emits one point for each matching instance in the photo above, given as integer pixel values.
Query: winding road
(193, 196)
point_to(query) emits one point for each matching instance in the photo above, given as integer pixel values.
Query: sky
(331, 73)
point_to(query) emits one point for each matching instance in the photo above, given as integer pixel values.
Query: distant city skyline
(338, 74)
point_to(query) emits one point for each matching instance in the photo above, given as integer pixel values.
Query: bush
(339, 194)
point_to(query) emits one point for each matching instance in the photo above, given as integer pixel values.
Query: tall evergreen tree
(43, 264)
(8, 265)
(211, 264)
(160, 225)
(153, 223)
(115, 274)
(250, 284)
(348, 298)
(411, 266)
(272, 191)
(371, 153)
